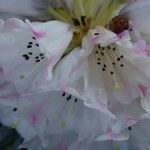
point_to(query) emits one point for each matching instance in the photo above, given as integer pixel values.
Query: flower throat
(84, 15)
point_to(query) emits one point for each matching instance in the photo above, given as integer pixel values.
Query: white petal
(137, 12)
(22, 58)
(25, 130)
(124, 135)
(55, 37)
(69, 69)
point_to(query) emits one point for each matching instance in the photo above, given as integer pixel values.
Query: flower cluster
(74, 73)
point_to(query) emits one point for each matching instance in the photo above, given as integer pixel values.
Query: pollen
(63, 124)
(14, 125)
(22, 77)
(116, 87)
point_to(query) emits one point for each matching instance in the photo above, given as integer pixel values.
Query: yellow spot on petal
(116, 87)
(117, 148)
(14, 125)
(22, 77)
(63, 125)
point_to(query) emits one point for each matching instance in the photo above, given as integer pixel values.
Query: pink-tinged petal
(69, 68)
(56, 112)
(137, 12)
(109, 135)
(145, 101)
(72, 69)
(8, 93)
(55, 37)
(112, 73)
(134, 33)
(22, 59)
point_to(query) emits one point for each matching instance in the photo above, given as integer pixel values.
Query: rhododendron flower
(109, 65)
(139, 140)
(112, 69)
(50, 113)
(85, 74)
(31, 53)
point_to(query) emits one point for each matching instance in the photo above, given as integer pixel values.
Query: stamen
(108, 60)
(57, 15)
(129, 128)
(96, 33)
(69, 97)
(76, 22)
(76, 100)
(83, 20)
(30, 43)
(116, 87)
(71, 104)
(112, 68)
(29, 46)
(15, 109)
(121, 65)
(106, 12)
(78, 8)
(63, 94)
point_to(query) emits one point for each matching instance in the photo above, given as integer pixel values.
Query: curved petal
(137, 12)
(31, 53)
(55, 37)
(56, 112)
(69, 69)
(21, 60)
(120, 78)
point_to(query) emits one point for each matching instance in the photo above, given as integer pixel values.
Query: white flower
(29, 53)
(47, 113)
(111, 66)
(81, 57)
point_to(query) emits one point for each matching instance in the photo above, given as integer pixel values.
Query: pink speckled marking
(1, 70)
(143, 89)
(109, 133)
(4, 85)
(36, 112)
(34, 119)
(131, 121)
(39, 34)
